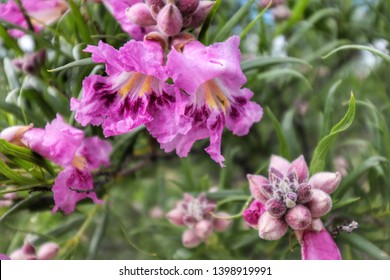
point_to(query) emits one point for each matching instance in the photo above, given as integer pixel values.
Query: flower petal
(280, 164)
(319, 246)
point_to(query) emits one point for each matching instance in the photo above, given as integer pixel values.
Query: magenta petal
(105, 53)
(96, 152)
(71, 186)
(253, 213)
(319, 246)
(4, 257)
(215, 124)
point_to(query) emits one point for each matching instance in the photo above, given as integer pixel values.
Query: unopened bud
(4, 257)
(317, 225)
(187, 7)
(169, 20)
(200, 14)
(221, 223)
(298, 218)
(320, 203)
(326, 181)
(140, 15)
(291, 199)
(281, 12)
(157, 3)
(265, 3)
(300, 169)
(157, 37)
(304, 193)
(48, 251)
(14, 134)
(271, 228)
(176, 217)
(253, 213)
(203, 229)
(189, 239)
(255, 183)
(30, 63)
(275, 207)
(267, 191)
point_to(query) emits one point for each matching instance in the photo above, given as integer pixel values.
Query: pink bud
(320, 203)
(14, 134)
(304, 193)
(271, 228)
(190, 239)
(157, 37)
(253, 213)
(140, 15)
(200, 15)
(156, 213)
(265, 3)
(223, 223)
(27, 252)
(281, 12)
(179, 41)
(316, 225)
(275, 207)
(187, 7)
(28, 249)
(48, 251)
(298, 218)
(176, 217)
(169, 20)
(279, 163)
(255, 183)
(157, 3)
(203, 229)
(299, 167)
(326, 181)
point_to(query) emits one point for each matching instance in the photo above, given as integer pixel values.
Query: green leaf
(226, 174)
(282, 73)
(283, 146)
(362, 244)
(253, 22)
(317, 163)
(77, 63)
(267, 61)
(98, 235)
(82, 27)
(329, 108)
(362, 48)
(226, 31)
(345, 202)
(13, 175)
(206, 24)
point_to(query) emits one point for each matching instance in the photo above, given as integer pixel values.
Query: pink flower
(319, 246)
(4, 257)
(292, 199)
(212, 78)
(41, 13)
(118, 9)
(195, 213)
(67, 146)
(47, 251)
(134, 92)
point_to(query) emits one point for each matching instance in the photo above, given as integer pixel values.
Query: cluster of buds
(170, 16)
(47, 251)
(289, 198)
(196, 214)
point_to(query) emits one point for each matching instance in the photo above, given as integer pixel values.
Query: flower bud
(304, 193)
(176, 217)
(299, 167)
(223, 223)
(291, 199)
(140, 15)
(48, 251)
(189, 239)
(326, 181)
(200, 15)
(271, 228)
(27, 252)
(187, 7)
(179, 41)
(157, 37)
(203, 229)
(156, 213)
(253, 213)
(316, 225)
(320, 203)
(298, 218)
(30, 63)
(14, 134)
(281, 12)
(275, 207)
(267, 191)
(169, 20)
(255, 183)
(157, 3)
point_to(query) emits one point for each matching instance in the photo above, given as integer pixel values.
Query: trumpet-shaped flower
(292, 199)
(134, 92)
(40, 13)
(212, 78)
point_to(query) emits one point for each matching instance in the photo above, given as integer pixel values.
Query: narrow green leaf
(19, 205)
(358, 242)
(282, 73)
(317, 163)
(345, 202)
(82, 26)
(283, 146)
(207, 22)
(13, 175)
(226, 31)
(267, 61)
(253, 22)
(329, 108)
(226, 174)
(362, 48)
(77, 63)
(98, 235)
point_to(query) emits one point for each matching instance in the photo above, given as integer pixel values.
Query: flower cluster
(196, 214)
(47, 251)
(40, 12)
(289, 198)
(206, 94)
(69, 148)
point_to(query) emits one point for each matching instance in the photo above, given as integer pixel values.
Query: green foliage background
(304, 93)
